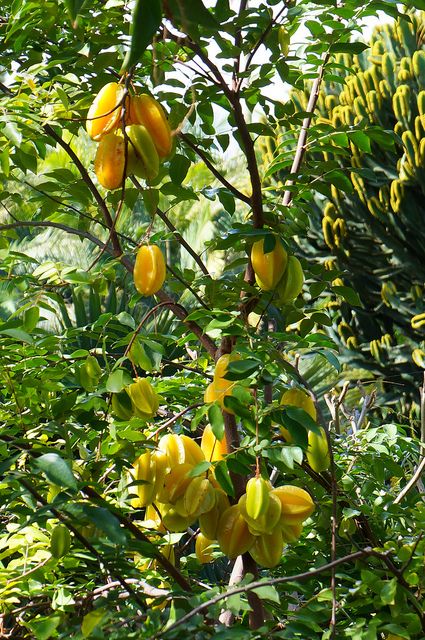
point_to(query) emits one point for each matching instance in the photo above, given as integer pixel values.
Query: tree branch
(117, 251)
(302, 138)
(358, 555)
(238, 194)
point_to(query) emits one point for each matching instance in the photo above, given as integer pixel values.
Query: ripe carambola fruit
(149, 270)
(291, 284)
(268, 548)
(291, 532)
(233, 534)
(109, 161)
(144, 469)
(147, 111)
(202, 549)
(268, 267)
(209, 521)
(175, 483)
(296, 504)
(297, 398)
(257, 497)
(140, 141)
(192, 451)
(318, 451)
(105, 111)
(144, 399)
(60, 541)
(213, 448)
(220, 388)
(266, 522)
(198, 498)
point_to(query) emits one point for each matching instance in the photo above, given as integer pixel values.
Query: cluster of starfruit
(133, 135)
(318, 455)
(264, 519)
(174, 492)
(138, 399)
(275, 270)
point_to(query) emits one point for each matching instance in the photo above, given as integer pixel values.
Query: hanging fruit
(149, 270)
(268, 267)
(105, 111)
(145, 110)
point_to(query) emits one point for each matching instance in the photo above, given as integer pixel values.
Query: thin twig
(302, 138)
(176, 233)
(238, 194)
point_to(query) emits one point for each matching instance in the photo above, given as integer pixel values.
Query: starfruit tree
(168, 463)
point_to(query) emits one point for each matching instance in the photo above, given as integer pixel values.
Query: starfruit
(291, 532)
(198, 498)
(217, 391)
(203, 549)
(268, 267)
(257, 497)
(298, 398)
(105, 111)
(153, 519)
(140, 141)
(60, 541)
(291, 284)
(172, 520)
(209, 521)
(267, 521)
(233, 534)
(144, 470)
(222, 364)
(173, 446)
(144, 399)
(147, 111)
(318, 451)
(296, 504)
(89, 373)
(176, 481)
(193, 452)
(213, 448)
(110, 160)
(268, 548)
(149, 270)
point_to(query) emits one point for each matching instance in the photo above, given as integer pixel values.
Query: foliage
(366, 220)
(79, 556)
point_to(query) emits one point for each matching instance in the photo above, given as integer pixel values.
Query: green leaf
(146, 18)
(267, 593)
(351, 296)
(91, 620)
(179, 166)
(106, 522)
(44, 628)
(215, 417)
(56, 470)
(223, 478)
(241, 369)
(31, 317)
(348, 47)
(360, 139)
(388, 591)
(117, 380)
(199, 469)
